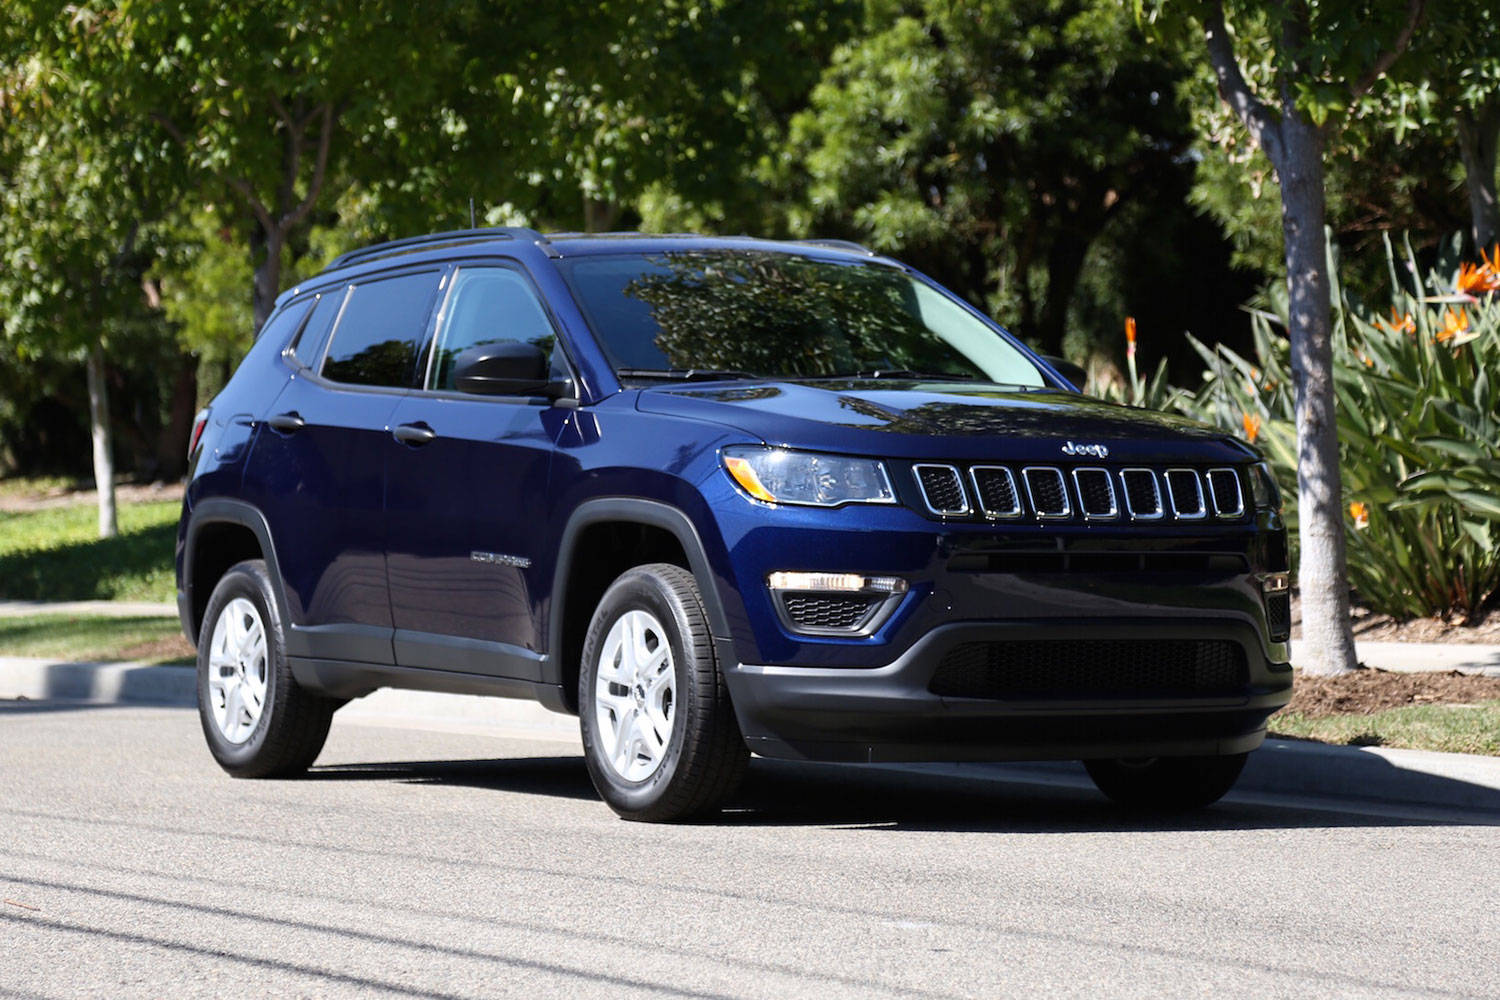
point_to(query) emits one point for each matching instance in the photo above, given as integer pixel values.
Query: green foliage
(1419, 426)
(55, 554)
(1153, 393)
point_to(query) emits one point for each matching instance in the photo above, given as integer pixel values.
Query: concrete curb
(1412, 778)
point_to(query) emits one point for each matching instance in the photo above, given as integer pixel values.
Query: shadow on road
(790, 794)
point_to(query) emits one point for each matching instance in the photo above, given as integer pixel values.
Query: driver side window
(487, 305)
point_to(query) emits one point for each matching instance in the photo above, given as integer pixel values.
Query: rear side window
(487, 305)
(283, 323)
(309, 343)
(376, 340)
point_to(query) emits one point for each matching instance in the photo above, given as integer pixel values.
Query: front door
(467, 492)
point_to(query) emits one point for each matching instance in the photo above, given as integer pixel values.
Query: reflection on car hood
(923, 419)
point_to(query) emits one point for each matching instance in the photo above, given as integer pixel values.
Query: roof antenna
(471, 214)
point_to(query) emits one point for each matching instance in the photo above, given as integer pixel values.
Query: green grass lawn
(1450, 728)
(56, 554)
(67, 637)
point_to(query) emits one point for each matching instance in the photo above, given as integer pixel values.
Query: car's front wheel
(1167, 783)
(258, 721)
(659, 734)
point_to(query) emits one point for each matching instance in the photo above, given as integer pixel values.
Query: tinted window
(377, 336)
(487, 305)
(784, 315)
(309, 343)
(283, 323)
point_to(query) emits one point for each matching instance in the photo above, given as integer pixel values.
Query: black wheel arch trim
(639, 511)
(221, 510)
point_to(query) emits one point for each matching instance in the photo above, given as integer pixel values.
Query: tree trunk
(104, 463)
(265, 255)
(1478, 134)
(1327, 646)
(1064, 265)
(172, 442)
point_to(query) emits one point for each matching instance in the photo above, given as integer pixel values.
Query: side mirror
(509, 368)
(1068, 370)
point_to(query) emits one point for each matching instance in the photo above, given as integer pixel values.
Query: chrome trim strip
(958, 480)
(1239, 493)
(1015, 491)
(1172, 496)
(1062, 485)
(1109, 481)
(1161, 507)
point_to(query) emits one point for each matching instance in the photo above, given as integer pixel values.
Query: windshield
(777, 315)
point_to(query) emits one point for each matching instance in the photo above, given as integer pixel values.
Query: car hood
(944, 420)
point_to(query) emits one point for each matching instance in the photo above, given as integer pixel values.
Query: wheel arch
(573, 591)
(220, 533)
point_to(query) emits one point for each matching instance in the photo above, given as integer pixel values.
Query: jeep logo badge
(1096, 450)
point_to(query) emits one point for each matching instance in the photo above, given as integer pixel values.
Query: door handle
(287, 423)
(414, 434)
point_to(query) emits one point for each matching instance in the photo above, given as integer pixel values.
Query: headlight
(1263, 488)
(775, 475)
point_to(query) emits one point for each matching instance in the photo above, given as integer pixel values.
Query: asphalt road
(442, 864)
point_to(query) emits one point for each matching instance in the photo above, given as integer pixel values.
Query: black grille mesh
(1225, 487)
(1279, 616)
(824, 611)
(1046, 488)
(944, 492)
(997, 491)
(1095, 492)
(1086, 668)
(1187, 501)
(1141, 488)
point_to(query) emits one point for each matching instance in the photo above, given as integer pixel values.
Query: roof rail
(841, 245)
(411, 243)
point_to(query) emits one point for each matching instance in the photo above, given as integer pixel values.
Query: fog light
(1275, 583)
(834, 604)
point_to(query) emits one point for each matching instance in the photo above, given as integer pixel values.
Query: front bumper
(889, 713)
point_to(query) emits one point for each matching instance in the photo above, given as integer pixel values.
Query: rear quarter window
(379, 330)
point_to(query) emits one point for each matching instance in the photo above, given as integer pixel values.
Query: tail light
(199, 423)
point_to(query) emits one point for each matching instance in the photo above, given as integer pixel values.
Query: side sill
(353, 679)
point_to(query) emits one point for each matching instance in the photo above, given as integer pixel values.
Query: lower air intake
(822, 611)
(1066, 669)
(1279, 616)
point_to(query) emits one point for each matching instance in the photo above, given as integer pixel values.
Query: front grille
(1096, 493)
(942, 490)
(1224, 489)
(825, 611)
(1185, 494)
(1047, 491)
(1142, 494)
(996, 489)
(1091, 668)
(1279, 616)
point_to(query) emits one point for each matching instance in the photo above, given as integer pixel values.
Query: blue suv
(719, 496)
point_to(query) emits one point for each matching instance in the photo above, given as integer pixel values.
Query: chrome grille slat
(1047, 481)
(1186, 506)
(1225, 492)
(1096, 494)
(995, 491)
(942, 489)
(1132, 480)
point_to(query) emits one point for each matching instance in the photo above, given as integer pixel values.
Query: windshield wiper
(685, 374)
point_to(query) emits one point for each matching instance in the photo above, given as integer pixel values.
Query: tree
(1320, 56)
(975, 140)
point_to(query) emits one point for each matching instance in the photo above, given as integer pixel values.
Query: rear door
(467, 491)
(317, 467)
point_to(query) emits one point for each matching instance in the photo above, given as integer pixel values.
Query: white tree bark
(104, 462)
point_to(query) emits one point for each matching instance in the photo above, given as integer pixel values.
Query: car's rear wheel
(258, 721)
(659, 734)
(1167, 783)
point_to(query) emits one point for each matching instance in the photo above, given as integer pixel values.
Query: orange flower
(1400, 324)
(1455, 322)
(1252, 426)
(1361, 514)
(1477, 279)
(1491, 259)
(1130, 336)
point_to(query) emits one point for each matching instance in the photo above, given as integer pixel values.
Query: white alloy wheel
(238, 670)
(635, 695)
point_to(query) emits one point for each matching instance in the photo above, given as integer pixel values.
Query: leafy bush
(1419, 430)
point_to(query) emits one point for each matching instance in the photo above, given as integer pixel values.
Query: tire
(659, 735)
(1167, 784)
(258, 721)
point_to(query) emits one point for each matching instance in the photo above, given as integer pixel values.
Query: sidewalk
(86, 609)
(1413, 778)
